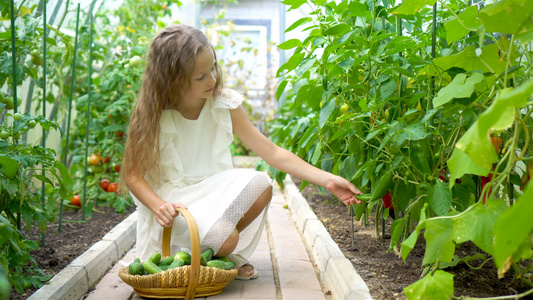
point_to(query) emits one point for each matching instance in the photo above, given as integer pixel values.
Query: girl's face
(203, 78)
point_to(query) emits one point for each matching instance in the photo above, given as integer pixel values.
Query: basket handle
(195, 250)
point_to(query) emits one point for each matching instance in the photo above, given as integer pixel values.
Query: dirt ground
(384, 272)
(75, 238)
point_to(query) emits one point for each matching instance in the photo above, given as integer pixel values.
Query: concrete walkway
(296, 260)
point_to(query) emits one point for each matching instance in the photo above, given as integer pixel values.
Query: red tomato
(112, 187)
(104, 184)
(117, 168)
(107, 159)
(120, 133)
(75, 200)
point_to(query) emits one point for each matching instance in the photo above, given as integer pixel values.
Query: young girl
(177, 155)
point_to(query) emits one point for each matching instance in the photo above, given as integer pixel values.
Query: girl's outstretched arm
(165, 212)
(288, 162)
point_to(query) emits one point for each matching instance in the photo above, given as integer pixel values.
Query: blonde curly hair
(170, 65)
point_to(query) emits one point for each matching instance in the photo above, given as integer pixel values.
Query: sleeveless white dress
(196, 169)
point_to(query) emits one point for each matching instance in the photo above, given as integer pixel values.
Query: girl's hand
(343, 189)
(166, 213)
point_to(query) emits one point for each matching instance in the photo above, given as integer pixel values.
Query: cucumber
(164, 268)
(136, 268)
(221, 264)
(166, 261)
(203, 261)
(155, 258)
(208, 254)
(151, 268)
(224, 258)
(176, 263)
(186, 257)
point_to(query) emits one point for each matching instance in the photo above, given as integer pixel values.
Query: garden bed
(76, 236)
(385, 273)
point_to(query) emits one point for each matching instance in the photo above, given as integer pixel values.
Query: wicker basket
(183, 282)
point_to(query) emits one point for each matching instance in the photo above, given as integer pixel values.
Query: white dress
(196, 169)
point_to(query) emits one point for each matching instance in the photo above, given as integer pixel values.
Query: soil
(385, 273)
(76, 236)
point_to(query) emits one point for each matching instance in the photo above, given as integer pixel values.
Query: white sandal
(240, 262)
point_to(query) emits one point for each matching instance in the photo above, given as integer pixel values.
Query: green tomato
(8, 101)
(97, 169)
(17, 116)
(4, 135)
(36, 57)
(135, 61)
(32, 123)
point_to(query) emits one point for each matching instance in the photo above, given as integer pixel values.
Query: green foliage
(367, 89)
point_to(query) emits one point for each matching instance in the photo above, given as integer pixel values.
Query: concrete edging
(85, 271)
(336, 271)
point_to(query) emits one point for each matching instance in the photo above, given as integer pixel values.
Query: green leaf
(460, 87)
(410, 242)
(396, 232)
(289, 44)
(113, 128)
(305, 66)
(347, 64)
(413, 132)
(43, 178)
(488, 61)
(440, 198)
(439, 241)
(315, 96)
(500, 115)
(410, 7)
(348, 168)
(325, 112)
(281, 88)
(436, 287)
(513, 227)
(477, 222)
(294, 3)
(317, 153)
(505, 16)
(9, 166)
(337, 29)
(461, 164)
(455, 30)
(298, 23)
(525, 32)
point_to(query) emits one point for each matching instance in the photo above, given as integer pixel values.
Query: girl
(177, 155)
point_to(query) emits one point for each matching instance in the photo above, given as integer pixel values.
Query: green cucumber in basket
(166, 261)
(208, 254)
(222, 264)
(223, 258)
(176, 263)
(186, 257)
(136, 268)
(151, 268)
(155, 258)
